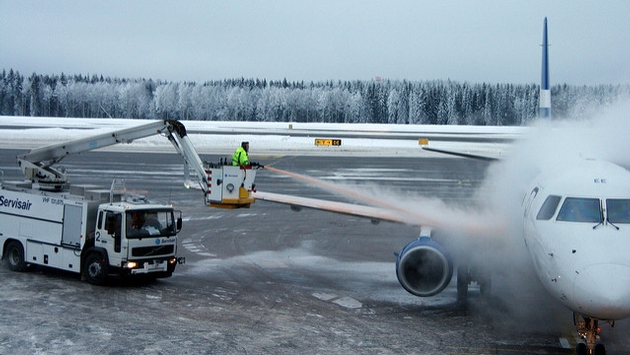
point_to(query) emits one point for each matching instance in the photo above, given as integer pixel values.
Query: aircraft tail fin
(544, 108)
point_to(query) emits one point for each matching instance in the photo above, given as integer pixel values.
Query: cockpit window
(618, 210)
(548, 208)
(580, 210)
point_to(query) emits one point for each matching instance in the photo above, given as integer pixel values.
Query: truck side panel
(23, 228)
(51, 227)
(53, 256)
(47, 207)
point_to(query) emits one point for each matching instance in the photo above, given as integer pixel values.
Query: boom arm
(38, 164)
(232, 184)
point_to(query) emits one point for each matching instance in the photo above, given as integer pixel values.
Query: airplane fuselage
(577, 231)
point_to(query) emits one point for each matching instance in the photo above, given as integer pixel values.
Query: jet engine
(424, 268)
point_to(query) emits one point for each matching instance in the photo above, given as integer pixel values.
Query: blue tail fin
(544, 108)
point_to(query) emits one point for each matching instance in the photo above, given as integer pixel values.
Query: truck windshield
(618, 210)
(153, 223)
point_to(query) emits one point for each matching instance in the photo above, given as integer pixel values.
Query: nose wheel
(588, 329)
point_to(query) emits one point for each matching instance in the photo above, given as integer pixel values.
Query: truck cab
(133, 239)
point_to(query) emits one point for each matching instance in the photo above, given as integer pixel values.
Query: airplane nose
(603, 291)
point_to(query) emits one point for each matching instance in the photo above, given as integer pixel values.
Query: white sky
(184, 40)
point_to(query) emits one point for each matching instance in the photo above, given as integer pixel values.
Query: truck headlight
(131, 264)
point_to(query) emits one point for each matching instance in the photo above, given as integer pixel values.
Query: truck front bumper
(148, 267)
(151, 266)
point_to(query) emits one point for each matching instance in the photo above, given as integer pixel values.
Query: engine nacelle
(424, 268)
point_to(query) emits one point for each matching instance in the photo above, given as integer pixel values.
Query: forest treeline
(385, 101)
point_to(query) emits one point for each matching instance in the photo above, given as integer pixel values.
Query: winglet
(544, 109)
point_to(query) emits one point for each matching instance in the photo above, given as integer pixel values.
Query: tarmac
(269, 280)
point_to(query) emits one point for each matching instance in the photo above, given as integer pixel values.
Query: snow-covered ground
(211, 137)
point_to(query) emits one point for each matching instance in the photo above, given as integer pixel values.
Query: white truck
(96, 232)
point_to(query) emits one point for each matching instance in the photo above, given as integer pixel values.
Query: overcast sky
(468, 40)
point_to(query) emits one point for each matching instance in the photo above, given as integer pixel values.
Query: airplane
(573, 218)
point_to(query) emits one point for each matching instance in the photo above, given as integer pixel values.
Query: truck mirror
(179, 224)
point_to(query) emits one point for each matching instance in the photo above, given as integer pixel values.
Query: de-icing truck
(96, 232)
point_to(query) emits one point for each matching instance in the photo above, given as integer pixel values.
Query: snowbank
(266, 138)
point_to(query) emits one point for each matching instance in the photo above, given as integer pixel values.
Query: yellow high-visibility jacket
(240, 157)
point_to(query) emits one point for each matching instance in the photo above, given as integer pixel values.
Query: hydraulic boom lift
(224, 186)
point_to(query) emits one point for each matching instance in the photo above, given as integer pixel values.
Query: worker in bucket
(240, 157)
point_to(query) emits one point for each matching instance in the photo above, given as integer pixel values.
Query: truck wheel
(95, 269)
(15, 256)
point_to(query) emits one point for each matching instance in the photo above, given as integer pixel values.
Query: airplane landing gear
(466, 275)
(588, 329)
